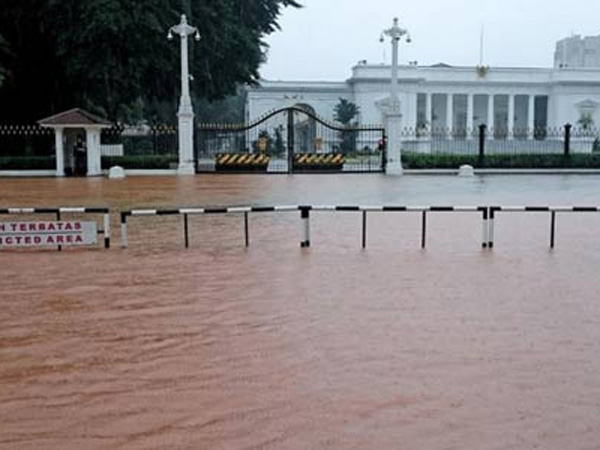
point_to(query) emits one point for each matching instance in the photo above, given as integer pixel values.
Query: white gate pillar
(186, 140)
(393, 124)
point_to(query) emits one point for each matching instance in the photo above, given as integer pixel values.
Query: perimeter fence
(26, 147)
(539, 148)
(146, 147)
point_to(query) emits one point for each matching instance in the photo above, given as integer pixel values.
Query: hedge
(27, 163)
(140, 162)
(440, 161)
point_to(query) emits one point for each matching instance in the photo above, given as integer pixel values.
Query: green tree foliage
(264, 136)
(112, 56)
(3, 50)
(345, 112)
(279, 145)
(228, 110)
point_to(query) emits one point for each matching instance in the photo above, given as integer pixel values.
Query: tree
(264, 143)
(228, 110)
(110, 56)
(279, 145)
(345, 112)
(3, 49)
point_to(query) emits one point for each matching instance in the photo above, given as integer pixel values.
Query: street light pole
(185, 115)
(393, 116)
(395, 33)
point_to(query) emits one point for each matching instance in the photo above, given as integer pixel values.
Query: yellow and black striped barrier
(242, 162)
(325, 161)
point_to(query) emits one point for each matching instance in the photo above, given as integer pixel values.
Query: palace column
(470, 108)
(449, 115)
(429, 112)
(511, 116)
(411, 115)
(531, 117)
(94, 157)
(60, 152)
(490, 116)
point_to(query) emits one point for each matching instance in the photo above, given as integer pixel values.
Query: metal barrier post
(491, 227)
(305, 216)
(58, 220)
(484, 243)
(106, 231)
(124, 215)
(186, 231)
(246, 231)
(552, 228)
(364, 230)
(424, 229)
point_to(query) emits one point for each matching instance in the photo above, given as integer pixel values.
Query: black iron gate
(289, 140)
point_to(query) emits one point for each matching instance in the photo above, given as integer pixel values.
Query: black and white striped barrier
(186, 212)
(59, 212)
(552, 210)
(305, 211)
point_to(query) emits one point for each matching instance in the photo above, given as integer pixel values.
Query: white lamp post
(393, 116)
(395, 33)
(185, 114)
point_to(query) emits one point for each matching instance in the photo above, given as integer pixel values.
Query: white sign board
(41, 234)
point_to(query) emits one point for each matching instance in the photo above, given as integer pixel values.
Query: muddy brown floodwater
(334, 347)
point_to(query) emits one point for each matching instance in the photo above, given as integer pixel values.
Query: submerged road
(333, 347)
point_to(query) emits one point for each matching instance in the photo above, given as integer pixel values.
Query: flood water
(332, 347)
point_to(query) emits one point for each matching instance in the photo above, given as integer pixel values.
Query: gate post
(393, 121)
(290, 139)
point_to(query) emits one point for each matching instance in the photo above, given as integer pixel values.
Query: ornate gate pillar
(393, 129)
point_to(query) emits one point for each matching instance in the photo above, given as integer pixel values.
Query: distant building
(577, 52)
(457, 98)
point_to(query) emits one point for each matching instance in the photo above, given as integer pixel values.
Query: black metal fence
(562, 147)
(143, 147)
(289, 140)
(26, 147)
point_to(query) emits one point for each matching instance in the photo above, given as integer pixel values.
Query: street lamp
(395, 33)
(393, 117)
(185, 114)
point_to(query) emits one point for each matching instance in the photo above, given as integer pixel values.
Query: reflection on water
(274, 347)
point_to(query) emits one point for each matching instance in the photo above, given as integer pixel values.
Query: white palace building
(451, 98)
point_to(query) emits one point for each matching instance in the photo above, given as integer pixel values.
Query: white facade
(449, 98)
(577, 52)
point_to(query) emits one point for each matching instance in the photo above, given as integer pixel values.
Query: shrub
(27, 163)
(140, 162)
(440, 161)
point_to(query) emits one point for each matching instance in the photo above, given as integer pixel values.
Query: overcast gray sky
(326, 38)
